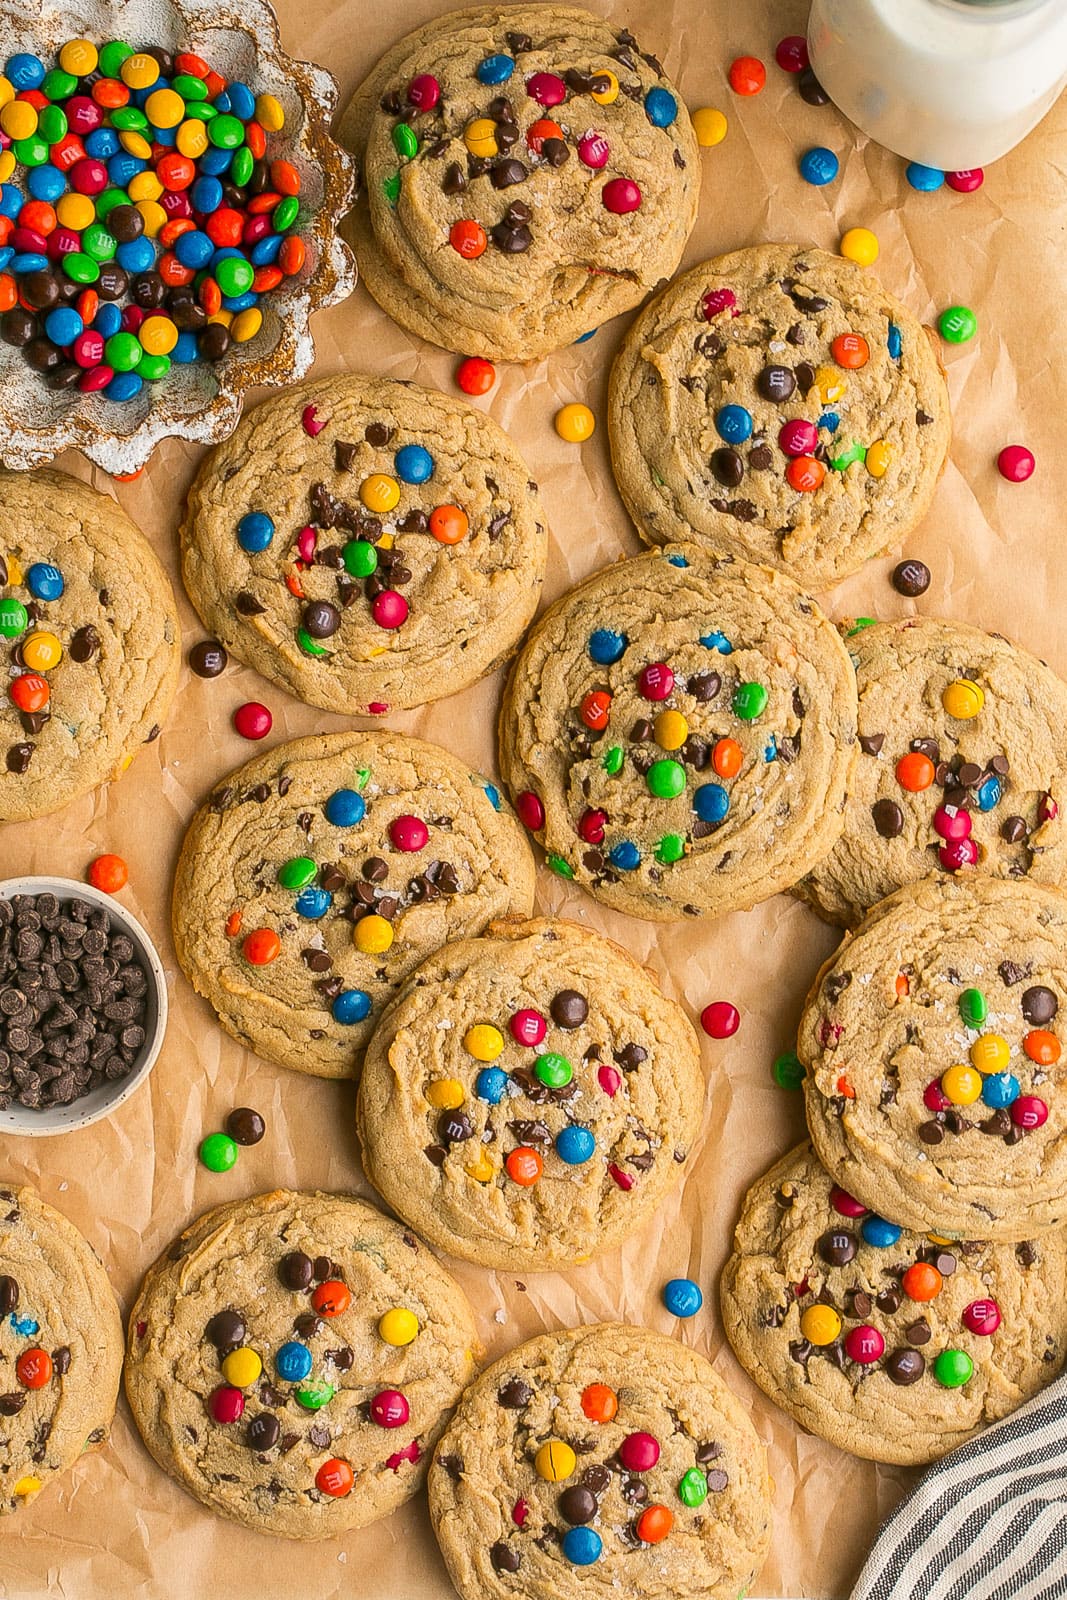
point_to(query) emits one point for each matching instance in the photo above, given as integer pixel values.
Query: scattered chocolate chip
(888, 818)
(515, 1394)
(9, 1294)
(727, 467)
(871, 743)
(918, 1332)
(1013, 972)
(503, 1557)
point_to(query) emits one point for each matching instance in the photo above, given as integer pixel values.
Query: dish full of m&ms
(623, 1441)
(320, 1354)
(930, 1337)
(147, 212)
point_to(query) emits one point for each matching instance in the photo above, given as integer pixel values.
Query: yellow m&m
(379, 492)
(245, 325)
(709, 126)
(153, 216)
(18, 119)
(373, 935)
(135, 144)
(859, 245)
(269, 113)
(75, 211)
(990, 1053)
(445, 1093)
(608, 95)
(962, 1085)
(79, 57)
(480, 137)
(191, 138)
(483, 1042)
(879, 455)
(42, 651)
(831, 384)
(575, 423)
(7, 164)
(820, 1324)
(671, 730)
(144, 186)
(27, 1485)
(139, 71)
(482, 1170)
(164, 108)
(398, 1326)
(555, 1461)
(963, 699)
(242, 1367)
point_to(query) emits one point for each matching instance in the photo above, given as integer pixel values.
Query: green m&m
(613, 760)
(315, 1394)
(693, 1487)
(973, 1007)
(957, 324)
(750, 701)
(953, 1368)
(360, 558)
(297, 873)
(218, 1152)
(788, 1070)
(553, 1070)
(13, 618)
(665, 779)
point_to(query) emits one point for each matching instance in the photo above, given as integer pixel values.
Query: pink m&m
(791, 53)
(591, 826)
(982, 1316)
(527, 1027)
(424, 91)
(621, 195)
(227, 1405)
(609, 1079)
(639, 1452)
(716, 301)
(389, 1409)
(720, 1020)
(952, 822)
(1016, 463)
(935, 1098)
(88, 176)
(844, 1203)
(408, 833)
(966, 181)
(531, 811)
(89, 348)
(864, 1344)
(389, 609)
(253, 720)
(656, 682)
(306, 540)
(310, 420)
(957, 853)
(798, 437)
(546, 89)
(593, 151)
(1029, 1112)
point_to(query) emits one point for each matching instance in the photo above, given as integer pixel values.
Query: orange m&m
(599, 1402)
(654, 1524)
(524, 1166)
(335, 1478)
(30, 692)
(805, 473)
(331, 1298)
(850, 350)
(449, 524)
(33, 1368)
(922, 1282)
(467, 239)
(596, 710)
(1042, 1047)
(727, 758)
(261, 947)
(915, 771)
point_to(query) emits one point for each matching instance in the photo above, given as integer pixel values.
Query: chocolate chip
(19, 757)
(837, 1247)
(776, 383)
(905, 1367)
(704, 686)
(760, 458)
(295, 1270)
(12, 1404)
(596, 1478)
(888, 1301)
(1039, 1005)
(811, 89)
(727, 467)
(505, 174)
(805, 374)
(245, 1126)
(969, 774)
(923, 419)
(435, 1154)
(515, 1394)
(226, 1331)
(1013, 972)
(1013, 830)
(859, 1303)
(207, 659)
(247, 605)
(378, 434)
(9, 1294)
(871, 743)
(569, 1009)
(931, 1132)
(888, 819)
(918, 1332)
(375, 870)
(84, 643)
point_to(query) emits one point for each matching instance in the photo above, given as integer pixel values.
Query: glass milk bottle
(950, 83)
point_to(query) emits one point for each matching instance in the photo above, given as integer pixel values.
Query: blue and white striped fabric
(988, 1522)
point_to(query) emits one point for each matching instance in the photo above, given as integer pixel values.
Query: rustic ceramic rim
(200, 402)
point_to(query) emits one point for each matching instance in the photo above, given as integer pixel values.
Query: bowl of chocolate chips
(83, 1005)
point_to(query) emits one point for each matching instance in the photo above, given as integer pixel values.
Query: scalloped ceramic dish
(201, 401)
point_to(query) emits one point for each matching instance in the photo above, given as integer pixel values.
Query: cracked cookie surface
(778, 404)
(530, 1097)
(320, 873)
(528, 172)
(601, 1461)
(264, 1376)
(898, 1321)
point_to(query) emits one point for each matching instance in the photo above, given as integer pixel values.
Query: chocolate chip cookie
(778, 404)
(291, 1361)
(934, 1086)
(528, 172)
(367, 545)
(600, 1461)
(962, 766)
(886, 1343)
(60, 1347)
(88, 617)
(320, 874)
(678, 731)
(529, 1097)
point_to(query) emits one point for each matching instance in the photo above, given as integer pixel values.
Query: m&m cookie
(598, 1461)
(529, 172)
(291, 1360)
(932, 1041)
(89, 621)
(530, 1096)
(60, 1347)
(892, 1345)
(677, 733)
(962, 766)
(319, 874)
(368, 545)
(778, 404)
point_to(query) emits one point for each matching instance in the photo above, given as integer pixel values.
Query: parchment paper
(117, 1526)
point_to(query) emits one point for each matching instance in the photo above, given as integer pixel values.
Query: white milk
(951, 83)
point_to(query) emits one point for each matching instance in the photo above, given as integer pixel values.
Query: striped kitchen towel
(988, 1522)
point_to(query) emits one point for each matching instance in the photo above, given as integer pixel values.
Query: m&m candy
(682, 1297)
(218, 1152)
(575, 423)
(859, 245)
(720, 1019)
(109, 873)
(1016, 463)
(747, 75)
(819, 166)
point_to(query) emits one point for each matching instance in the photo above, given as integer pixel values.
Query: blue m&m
(255, 531)
(413, 464)
(661, 108)
(606, 646)
(494, 69)
(711, 802)
(44, 581)
(345, 808)
(734, 424)
(575, 1145)
(582, 1546)
(819, 166)
(625, 855)
(926, 179)
(293, 1361)
(351, 1005)
(878, 1232)
(312, 903)
(682, 1297)
(491, 1085)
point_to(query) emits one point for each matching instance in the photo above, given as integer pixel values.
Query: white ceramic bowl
(105, 1099)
